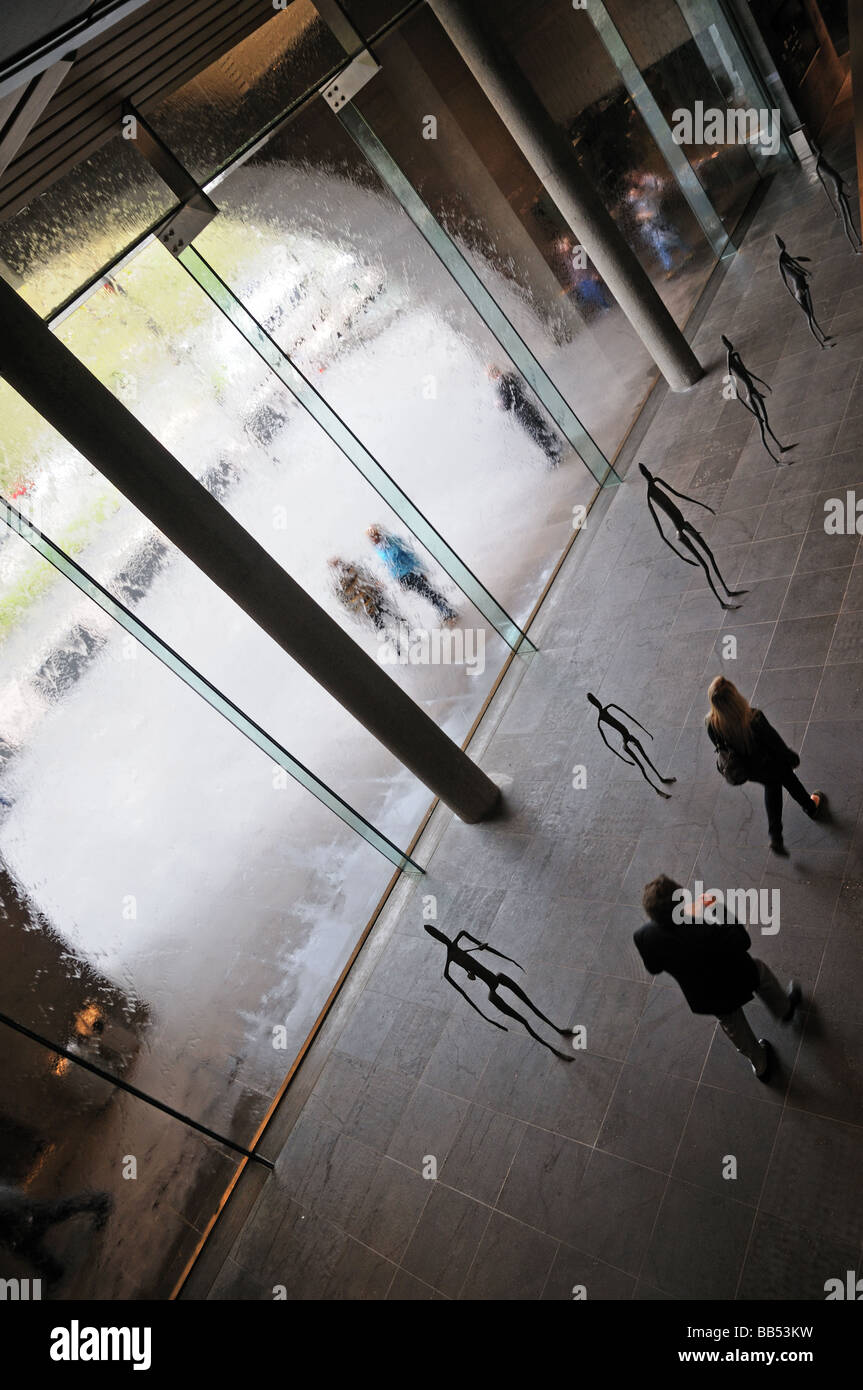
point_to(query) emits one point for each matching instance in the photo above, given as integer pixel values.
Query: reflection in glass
(673, 67)
(71, 1214)
(564, 58)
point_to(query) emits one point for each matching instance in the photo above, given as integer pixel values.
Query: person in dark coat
(711, 963)
(737, 729)
(512, 397)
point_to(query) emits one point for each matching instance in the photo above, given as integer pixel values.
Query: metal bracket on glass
(483, 302)
(183, 226)
(195, 681)
(196, 210)
(659, 128)
(344, 87)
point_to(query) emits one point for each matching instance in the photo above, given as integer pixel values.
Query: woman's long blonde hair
(730, 715)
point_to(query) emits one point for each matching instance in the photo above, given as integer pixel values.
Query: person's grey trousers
(736, 1025)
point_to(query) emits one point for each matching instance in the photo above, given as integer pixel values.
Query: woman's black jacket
(770, 757)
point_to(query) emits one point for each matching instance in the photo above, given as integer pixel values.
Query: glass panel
(68, 1214)
(328, 261)
(81, 223)
(207, 121)
(176, 898)
(675, 72)
(563, 56)
(737, 78)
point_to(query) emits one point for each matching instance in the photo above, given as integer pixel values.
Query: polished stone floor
(607, 1171)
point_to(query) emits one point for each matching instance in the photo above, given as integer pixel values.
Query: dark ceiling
(150, 52)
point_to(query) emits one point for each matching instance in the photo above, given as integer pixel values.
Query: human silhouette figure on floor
(463, 957)
(25, 1222)
(683, 529)
(795, 278)
(830, 180)
(630, 742)
(749, 396)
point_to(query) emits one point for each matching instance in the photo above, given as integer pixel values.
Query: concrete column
(552, 158)
(45, 373)
(855, 35)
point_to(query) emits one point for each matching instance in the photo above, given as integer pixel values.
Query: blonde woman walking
(750, 750)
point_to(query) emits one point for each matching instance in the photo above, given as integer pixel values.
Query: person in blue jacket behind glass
(408, 571)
